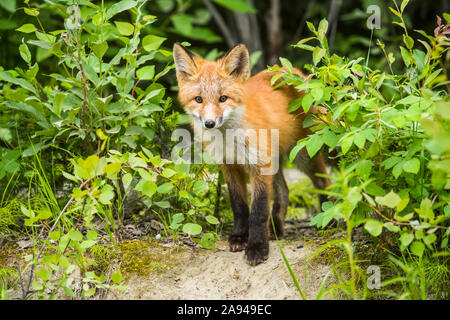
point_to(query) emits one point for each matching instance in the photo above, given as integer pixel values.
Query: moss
(330, 256)
(10, 216)
(142, 257)
(301, 194)
(100, 256)
(7, 277)
(296, 213)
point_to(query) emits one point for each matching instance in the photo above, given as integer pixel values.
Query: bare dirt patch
(221, 274)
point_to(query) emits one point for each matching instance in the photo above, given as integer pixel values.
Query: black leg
(258, 244)
(239, 236)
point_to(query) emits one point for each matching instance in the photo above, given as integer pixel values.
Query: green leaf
(149, 188)
(390, 162)
(286, 64)
(406, 239)
(199, 187)
(313, 145)
(119, 7)
(395, 12)
(25, 53)
(176, 221)
(402, 204)
(412, 166)
(165, 188)
(163, 204)
(322, 29)
(127, 178)
(307, 101)
(87, 244)
(359, 139)
(167, 172)
(125, 28)
(192, 228)
(69, 292)
(116, 277)
(165, 5)
(54, 235)
(398, 169)
(430, 239)
(212, 219)
(391, 227)
(91, 235)
(254, 57)
(208, 241)
(100, 49)
(318, 54)
(9, 5)
(346, 143)
(44, 274)
(426, 209)
(374, 190)
(390, 200)
(236, 5)
(417, 248)
(317, 93)
(112, 167)
(374, 227)
(152, 42)
(182, 23)
(409, 42)
(403, 5)
(34, 12)
(27, 28)
(106, 195)
(44, 214)
(146, 73)
(6, 76)
(406, 56)
(75, 235)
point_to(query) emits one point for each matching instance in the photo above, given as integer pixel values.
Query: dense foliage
(88, 106)
(392, 133)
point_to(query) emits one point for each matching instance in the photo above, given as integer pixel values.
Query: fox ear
(237, 62)
(184, 62)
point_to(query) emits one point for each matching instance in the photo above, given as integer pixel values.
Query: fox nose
(210, 124)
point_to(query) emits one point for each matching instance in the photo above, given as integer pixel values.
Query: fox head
(211, 92)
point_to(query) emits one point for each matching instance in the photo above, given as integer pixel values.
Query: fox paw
(237, 242)
(257, 253)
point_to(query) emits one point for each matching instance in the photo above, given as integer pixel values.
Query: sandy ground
(221, 274)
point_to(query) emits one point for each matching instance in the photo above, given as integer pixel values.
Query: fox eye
(223, 98)
(198, 99)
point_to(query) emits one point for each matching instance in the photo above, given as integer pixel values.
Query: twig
(30, 277)
(231, 41)
(301, 26)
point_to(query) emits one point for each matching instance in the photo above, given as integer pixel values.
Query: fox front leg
(236, 181)
(257, 249)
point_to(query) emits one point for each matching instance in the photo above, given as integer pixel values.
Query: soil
(221, 274)
(155, 268)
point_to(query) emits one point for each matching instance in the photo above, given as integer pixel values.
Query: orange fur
(251, 103)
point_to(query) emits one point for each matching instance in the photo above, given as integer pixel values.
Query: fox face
(212, 92)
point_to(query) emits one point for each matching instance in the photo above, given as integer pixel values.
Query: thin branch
(298, 33)
(274, 32)
(26, 290)
(231, 41)
(333, 19)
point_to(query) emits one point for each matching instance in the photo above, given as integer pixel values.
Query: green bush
(392, 134)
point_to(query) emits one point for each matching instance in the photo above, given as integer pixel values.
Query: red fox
(221, 95)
